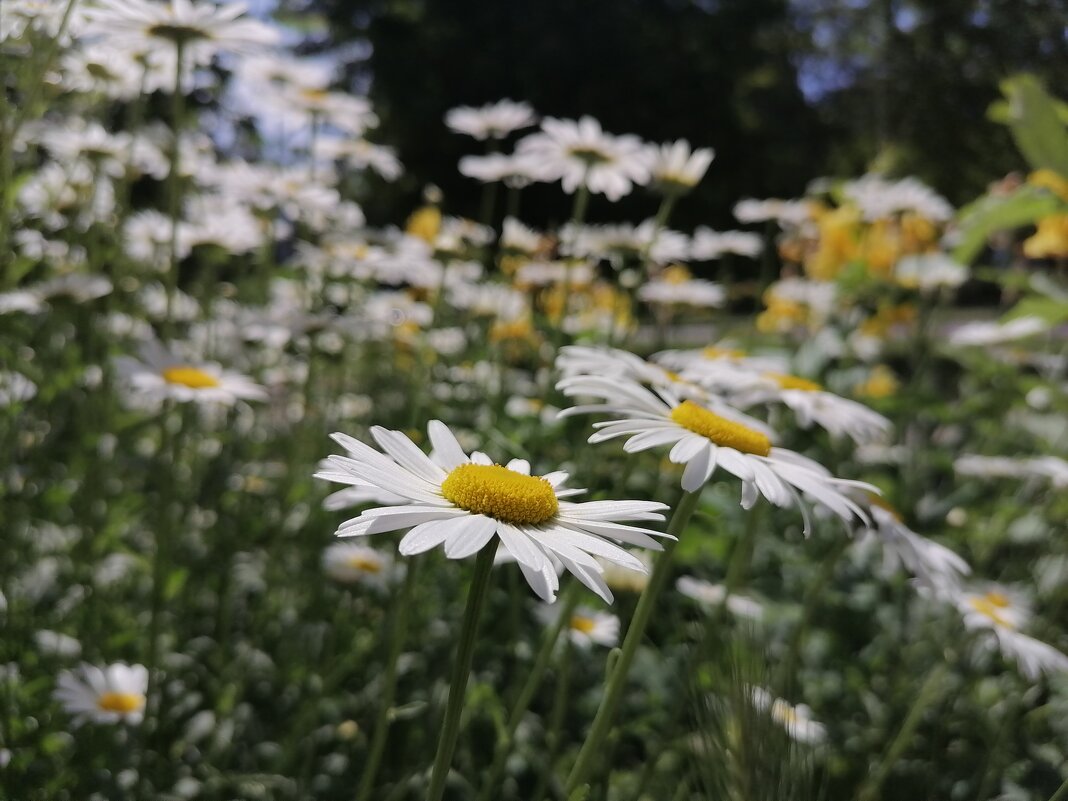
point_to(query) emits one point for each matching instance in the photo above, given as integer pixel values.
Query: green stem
(389, 685)
(173, 182)
(592, 748)
(1062, 792)
(927, 693)
(465, 651)
(537, 672)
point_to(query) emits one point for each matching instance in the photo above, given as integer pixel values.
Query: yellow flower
(881, 383)
(425, 223)
(881, 248)
(1050, 240)
(1048, 179)
(918, 234)
(781, 315)
(837, 245)
(887, 319)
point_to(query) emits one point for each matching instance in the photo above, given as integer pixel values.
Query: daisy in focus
(704, 438)
(160, 375)
(1003, 612)
(467, 503)
(113, 694)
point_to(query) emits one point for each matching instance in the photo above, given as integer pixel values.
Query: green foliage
(992, 213)
(1037, 123)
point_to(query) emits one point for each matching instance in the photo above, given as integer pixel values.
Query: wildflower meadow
(317, 484)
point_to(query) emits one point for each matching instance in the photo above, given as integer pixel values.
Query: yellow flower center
(676, 274)
(365, 565)
(793, 382)
(189, 377)
(720, 430)
(784, 713)
(589, 155)
(501, 493)
(582, 623)
(123, 703)
(886, 506)
(992, 605)
(314, 95)
(716, 352)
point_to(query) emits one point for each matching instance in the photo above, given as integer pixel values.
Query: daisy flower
(706, 438)
(159, 374)
(1003, 612)
(494, 167)
(930, 271)
(811, 403)
(202, 29)
(797, 720)
(467, 503)
(707, 244)
(586, 627)
(678, 288)
(714, 595)
(997, 333)
(676, 168)
(113, 694)
(491, 121)
(581, 154)
(349, 563)
(934, 565)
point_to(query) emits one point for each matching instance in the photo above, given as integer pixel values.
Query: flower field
(297, 505)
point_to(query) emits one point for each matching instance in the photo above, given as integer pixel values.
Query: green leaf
(1051, 310)
(992, 213)
(1036, 123)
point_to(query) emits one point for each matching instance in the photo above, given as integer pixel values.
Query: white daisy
(930, 271)
(493, 167)
(159, 374)
(491, 121)
(586, 627)
(714, 595)
(797, 720)
(582, 154)
(202, 29)
(349, 563)
(676, 168)
(707, 244)
(704, 439)
(811, 403)
(466, 503)
(15, 388)
(1004, 611)
(669, 290)
(934, 566)
(114, 694)
(997, 333)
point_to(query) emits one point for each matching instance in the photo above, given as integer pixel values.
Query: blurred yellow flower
(425, 223)
(1050, 240)
(880, 383)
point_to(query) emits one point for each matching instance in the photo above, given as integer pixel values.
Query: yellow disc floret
(501, 493)
(720, 430)
(365, 565)
(191, 377)
(793, 382)
(123, 703)
(994, 606)
(582, 623)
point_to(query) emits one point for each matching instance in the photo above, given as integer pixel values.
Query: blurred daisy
(586, 627)
(797, 720)
(935, 566)
(15, 388)
(714, 595)
(350, 563)
(676, 168)
(466, 503)
(202, 29)
(704, 439)
(676, 287)
(113, 694)
(620, 579)
(494, 167)
(582, 154)
(1004, 611)
(811, 403)
(930, 271)
(997, 333)
(492, 121)
(159, 374)
(707, 244)
(55, 643)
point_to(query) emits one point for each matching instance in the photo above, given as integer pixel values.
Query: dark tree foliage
(898, 85)
(718, 74)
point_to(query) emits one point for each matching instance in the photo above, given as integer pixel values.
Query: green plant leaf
(992, 213)
(1036, 123)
